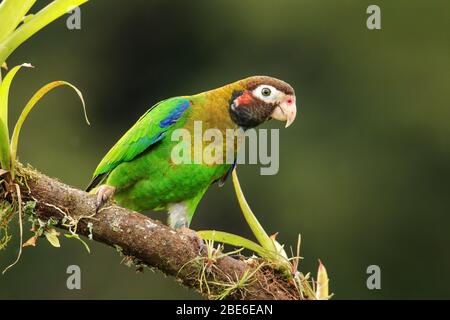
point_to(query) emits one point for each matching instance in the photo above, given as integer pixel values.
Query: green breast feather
(140, 167)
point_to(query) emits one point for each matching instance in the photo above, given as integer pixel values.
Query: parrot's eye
(266, 92)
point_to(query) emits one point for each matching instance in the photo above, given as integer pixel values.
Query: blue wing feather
(175, 115)
(148, 130)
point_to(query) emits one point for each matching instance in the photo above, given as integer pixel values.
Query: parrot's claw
(104, 193)
(180, 224)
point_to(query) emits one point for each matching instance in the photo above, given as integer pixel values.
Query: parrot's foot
(177, 216)
(178, 220)
(104, 193)
(192, 235)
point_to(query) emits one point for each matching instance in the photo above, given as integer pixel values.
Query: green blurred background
(364, 172)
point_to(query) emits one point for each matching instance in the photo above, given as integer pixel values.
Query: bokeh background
(364, 172)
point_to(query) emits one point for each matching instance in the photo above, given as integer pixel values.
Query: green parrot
(139, 172)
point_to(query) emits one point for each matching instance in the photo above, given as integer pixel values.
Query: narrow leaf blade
(11, 14)
(45, 16)
(234, 240)
(251, 219)
(30, 105)
(322, 283)
(4, 91)
(4, 134)
(4, 147)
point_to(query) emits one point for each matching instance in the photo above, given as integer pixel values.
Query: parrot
(139, 173)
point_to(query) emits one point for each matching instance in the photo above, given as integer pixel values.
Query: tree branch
(146, 241)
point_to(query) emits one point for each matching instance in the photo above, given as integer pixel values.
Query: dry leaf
(30, 242)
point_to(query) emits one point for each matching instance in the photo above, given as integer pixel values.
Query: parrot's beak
(286, 111)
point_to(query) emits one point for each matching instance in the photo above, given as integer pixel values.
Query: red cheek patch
(244, 99)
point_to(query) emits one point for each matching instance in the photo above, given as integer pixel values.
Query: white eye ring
(267, 93)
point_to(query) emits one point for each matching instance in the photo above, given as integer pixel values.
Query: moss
(7, 212)
(131, 261)
(38, 226)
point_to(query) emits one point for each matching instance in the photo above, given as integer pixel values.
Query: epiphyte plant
(16, 26)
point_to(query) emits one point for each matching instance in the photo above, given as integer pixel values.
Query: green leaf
(75, 236)
(4, 92)
(322, 283)
(234, 240)
(11, 14)
(4, 135)
(251, 219)
(52, 237)
(4, 147)
(30, 105)
(51, 12)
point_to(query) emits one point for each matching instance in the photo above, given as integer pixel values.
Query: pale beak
(286, 111)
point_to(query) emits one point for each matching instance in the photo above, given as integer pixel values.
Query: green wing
(148, 130)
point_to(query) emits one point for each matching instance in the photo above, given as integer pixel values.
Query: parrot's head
(260, 99)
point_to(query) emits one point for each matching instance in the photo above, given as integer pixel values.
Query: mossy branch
(148, 242)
